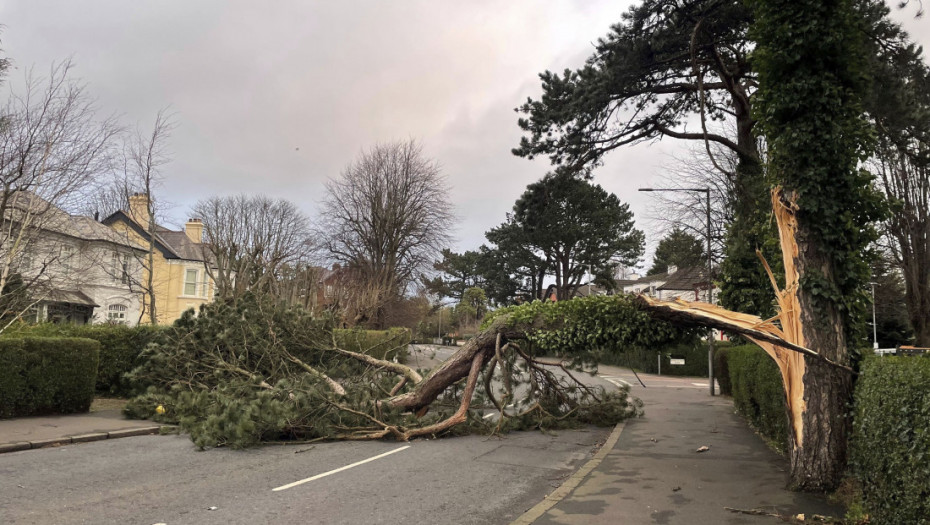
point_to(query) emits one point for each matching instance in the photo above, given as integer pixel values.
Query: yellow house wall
(168, 283)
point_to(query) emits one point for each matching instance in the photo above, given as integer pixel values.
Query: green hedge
(757, 391)
(382, 344)
(722, 369)
(120, 347)
(645, 360)
(890, 452)
(47, 375)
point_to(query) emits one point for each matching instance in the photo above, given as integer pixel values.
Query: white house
(687, 283)
(73, 268)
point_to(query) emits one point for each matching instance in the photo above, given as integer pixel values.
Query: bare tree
(386, 218)
(253, 242)
(53, 145)
(145, 154)
(687, 210)
(906, 182)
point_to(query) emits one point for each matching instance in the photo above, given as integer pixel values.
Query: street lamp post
(874, 326)
(710, 287)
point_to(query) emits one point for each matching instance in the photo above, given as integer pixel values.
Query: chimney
(139, 209)
(194, 230)
(672, 269)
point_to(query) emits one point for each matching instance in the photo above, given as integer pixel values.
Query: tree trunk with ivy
(810, 57)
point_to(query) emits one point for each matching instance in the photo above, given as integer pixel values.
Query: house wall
(88, 267)
(168, 282)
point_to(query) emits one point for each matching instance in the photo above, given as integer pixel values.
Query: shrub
(47, 375)
(722, 370)
(120, 347)
(758, 392)
(645, 359)
(890, 451)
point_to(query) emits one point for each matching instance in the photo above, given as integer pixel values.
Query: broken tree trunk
(456, 367)
(818, 384)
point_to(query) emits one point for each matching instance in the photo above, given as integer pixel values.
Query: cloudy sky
(278, 97)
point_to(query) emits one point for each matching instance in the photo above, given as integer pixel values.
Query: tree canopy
(565, 227)
(457, 272)
(678, 248)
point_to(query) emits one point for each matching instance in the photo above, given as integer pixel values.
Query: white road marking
(699, 384)
(340, 469)
(616, 381)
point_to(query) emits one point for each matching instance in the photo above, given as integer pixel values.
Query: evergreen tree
(678, 248)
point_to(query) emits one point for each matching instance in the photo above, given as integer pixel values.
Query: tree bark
(456, 367)
(819, 456)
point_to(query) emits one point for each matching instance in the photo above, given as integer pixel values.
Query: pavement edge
(572, 482)
(83, 438)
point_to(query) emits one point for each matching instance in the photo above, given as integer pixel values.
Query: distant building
(179, 273)
(687, 283)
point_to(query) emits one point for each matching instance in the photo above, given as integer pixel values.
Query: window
(190, 282)
(119, 267)
(116, 313)
(67, 258)
(26, 263)
(204, 292)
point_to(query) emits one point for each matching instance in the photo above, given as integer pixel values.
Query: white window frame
(66, 258)
(187, 281)
(116, 312)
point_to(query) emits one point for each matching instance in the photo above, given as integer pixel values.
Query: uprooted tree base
(250, 371)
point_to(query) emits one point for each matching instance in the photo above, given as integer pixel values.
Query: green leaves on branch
(588, 324)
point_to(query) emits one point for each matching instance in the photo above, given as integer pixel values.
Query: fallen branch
(336, 387)
(398, 368)
(695, 313)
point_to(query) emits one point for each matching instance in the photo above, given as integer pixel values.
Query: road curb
(82, 438)
(572, 482)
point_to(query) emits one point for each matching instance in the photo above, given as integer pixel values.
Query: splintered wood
(781, 336)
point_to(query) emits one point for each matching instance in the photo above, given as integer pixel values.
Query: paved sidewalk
(36, 432)
(653, 473)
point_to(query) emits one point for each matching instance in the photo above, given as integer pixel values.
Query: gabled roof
(645, 279)
(686, 279)
(172, 244)
(51, 218)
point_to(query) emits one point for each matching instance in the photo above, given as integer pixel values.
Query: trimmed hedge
(120, 347)
(382, 344)
(47, 375)
(890, 452)
(645, 360)
(722, 369)
(757, 391)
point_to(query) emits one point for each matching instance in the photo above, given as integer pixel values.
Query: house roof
(49, 217)
(70, 297)
(171, 243)
(645, 279)
(686, 279)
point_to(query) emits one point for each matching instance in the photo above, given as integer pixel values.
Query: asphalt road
(164, 479)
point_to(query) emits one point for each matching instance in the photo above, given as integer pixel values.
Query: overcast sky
(277, 97)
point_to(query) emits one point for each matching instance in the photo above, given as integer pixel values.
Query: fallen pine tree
(250, 371)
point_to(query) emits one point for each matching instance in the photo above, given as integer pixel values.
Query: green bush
(758, 392)
(890, 451)
(646, 360)
(381, 344)
(722, 369)
(47, 375)
(120, 347)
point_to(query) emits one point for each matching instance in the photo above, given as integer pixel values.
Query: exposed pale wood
(782, 337)
(398, 368)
